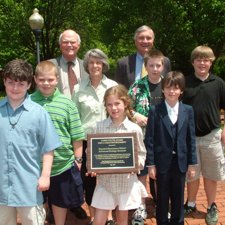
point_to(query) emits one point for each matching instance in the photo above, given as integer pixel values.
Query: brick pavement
(197, 218)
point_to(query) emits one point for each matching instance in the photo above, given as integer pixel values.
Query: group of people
(44, 135)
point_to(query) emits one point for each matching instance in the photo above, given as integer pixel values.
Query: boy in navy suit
(171, 151)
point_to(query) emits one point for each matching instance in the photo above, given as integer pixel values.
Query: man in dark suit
(171, 150)
(69, 42)
(129, 68)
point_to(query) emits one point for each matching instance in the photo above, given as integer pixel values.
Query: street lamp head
(36, 21)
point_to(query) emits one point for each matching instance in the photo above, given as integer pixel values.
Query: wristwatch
(79, 159)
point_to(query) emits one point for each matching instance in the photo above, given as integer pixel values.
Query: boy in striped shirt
(66, 189)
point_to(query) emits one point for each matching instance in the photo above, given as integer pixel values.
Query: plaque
(112, 153)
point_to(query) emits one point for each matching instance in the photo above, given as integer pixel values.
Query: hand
(152, 172)
(92, 174)
(223, 136)
(140, 119)
(191, 172)
(43, 183)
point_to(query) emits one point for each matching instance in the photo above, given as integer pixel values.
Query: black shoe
(79, 212)
(110, 222)
(189, 209)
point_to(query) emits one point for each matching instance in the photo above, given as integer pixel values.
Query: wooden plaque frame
(112, 153)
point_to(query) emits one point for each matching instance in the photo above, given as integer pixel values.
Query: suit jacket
(62, 87)
(125, 71)
(159, 138)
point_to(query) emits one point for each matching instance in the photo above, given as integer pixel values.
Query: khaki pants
(29, 215)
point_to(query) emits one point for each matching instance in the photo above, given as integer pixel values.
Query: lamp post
(36, 22)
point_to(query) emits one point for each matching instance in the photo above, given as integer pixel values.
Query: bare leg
(100, 216)
(192, 190)
(59, 215)
(122, 217)
(92, 212)
(210, 190)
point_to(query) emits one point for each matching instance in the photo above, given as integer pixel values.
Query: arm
(223, 131)
(44, 180)
(137, 92)
(78, 148)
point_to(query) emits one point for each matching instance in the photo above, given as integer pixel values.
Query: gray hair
(99, 54)
(141, 29)
(78, 37)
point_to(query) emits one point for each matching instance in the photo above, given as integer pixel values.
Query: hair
(174, 78)
(153, 53)
(99, 54)
(202, 51)
(18, 70)
(121, 92)
(76, 34)
(46, 66)
(141, 29)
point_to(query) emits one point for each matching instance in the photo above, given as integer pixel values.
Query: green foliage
(179, 27)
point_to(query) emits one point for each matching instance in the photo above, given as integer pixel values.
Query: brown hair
(121, 92)
(174, 78)
(18, 70)
(153, 53)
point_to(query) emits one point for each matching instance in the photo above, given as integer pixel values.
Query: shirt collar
(125, 123)
(26, 103)
(39, 96)
(175, 108)
(140, 56)
(66, 61)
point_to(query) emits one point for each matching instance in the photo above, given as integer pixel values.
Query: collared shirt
(22, 148)
(64, 81)
(172, 112)
(207, 99)
(141, 96)
(121, 183)
(89, 101)
(138, 66)
(66, 120)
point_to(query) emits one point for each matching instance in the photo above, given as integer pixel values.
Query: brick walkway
(197, 218)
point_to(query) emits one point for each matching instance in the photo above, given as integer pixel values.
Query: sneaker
(139, 216)
(140, 212)
(189, 209)
(79, 212)
(137, 221)
(110, 222)
(212, 215)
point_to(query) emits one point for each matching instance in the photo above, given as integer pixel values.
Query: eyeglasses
(69, 42)
(202, 60)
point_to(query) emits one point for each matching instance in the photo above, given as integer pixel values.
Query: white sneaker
(140, 212)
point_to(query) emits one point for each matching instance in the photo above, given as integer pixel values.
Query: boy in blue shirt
(27, 137)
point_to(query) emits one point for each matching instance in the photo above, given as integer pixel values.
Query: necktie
(143, 70)
(71, 77)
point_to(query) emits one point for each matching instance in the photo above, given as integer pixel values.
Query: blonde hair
(120, 91)
(202, 51)
(46, 66)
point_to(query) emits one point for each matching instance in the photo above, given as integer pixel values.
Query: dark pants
(170, 187)
(89, 182)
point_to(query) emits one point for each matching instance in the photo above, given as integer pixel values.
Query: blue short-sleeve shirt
(21, 151)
